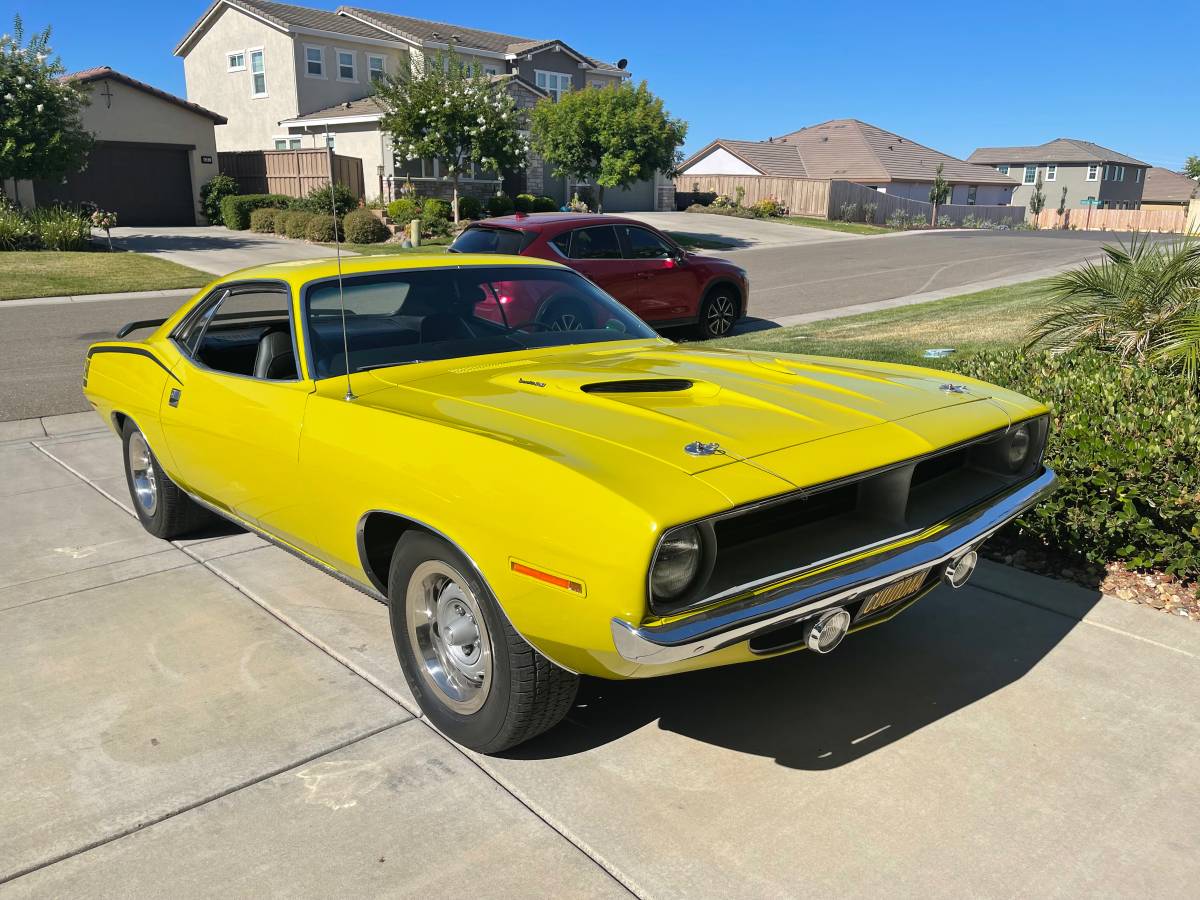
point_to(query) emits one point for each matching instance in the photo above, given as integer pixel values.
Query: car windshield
(486, 239)
(410, 316)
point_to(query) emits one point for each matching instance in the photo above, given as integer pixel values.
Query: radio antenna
(337, 245)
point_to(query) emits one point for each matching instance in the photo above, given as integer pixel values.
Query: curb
(176, 293)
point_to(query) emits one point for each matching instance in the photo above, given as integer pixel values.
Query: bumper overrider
(707, 631)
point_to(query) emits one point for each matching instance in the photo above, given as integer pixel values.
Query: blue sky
(953, 76)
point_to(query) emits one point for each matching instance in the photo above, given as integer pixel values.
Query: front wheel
(473, 675)
(718, 313)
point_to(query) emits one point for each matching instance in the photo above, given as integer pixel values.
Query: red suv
(639, 265)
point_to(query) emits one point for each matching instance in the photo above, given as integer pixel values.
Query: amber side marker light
(558, 581)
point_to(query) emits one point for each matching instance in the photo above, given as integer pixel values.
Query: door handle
(173, 400)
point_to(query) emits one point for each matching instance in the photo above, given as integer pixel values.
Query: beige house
(153, 152)
(1092, 175)
(1165, 189)
(292, 77)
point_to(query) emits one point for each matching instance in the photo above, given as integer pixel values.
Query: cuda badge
(699, 448)
(951, 388)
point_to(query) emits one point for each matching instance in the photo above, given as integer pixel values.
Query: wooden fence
(847, 201)
(293, 173)
(1089, 219)
(802, 196)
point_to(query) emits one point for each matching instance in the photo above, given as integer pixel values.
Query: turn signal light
(558, 581)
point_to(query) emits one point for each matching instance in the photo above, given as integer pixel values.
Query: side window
(563, 243)
(646, 245)
(596, 243)
(246, 332)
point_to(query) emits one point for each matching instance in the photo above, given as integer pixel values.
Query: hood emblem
(951, 388)
(699, 448)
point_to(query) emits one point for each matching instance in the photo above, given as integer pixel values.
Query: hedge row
(1125, 442)
(236, 208)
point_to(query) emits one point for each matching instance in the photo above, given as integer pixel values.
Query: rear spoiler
(140, 323)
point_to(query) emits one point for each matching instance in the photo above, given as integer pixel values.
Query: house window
(554, 83)
(1030, 174)
(314, 61)
(415, 168)
(345, 66)
(972, 192)
(237, 61)
(1093, 171)
(490, 71)
(375, 69)
(1002, 169)
(1051, 173)
(287, 143)
(1137, 176)
(1120, 171)
(258, 74)
(1107, 172)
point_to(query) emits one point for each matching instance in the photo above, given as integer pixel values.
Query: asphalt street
(42, 346)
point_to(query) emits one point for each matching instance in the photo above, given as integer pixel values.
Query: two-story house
(291, 77)
(1093, 175)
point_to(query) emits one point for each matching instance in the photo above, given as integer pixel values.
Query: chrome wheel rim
(142, 474)
(449, 636)
(721, 314)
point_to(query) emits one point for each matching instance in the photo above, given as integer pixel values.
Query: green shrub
(362, 227)
(523, 203)
(544, 204)
(1125, 442)
(769, 206)
(320, 203)
(236, 209)
(435, 217)
(469, 208)
(499, 204)
(294, 223)
(321, 229)
(404, 210)
(266, 220)
(59, 228)
(213, 192)
(16, 231)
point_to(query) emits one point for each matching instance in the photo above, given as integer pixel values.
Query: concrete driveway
(216, 717)
(742, 234)
(215, 249)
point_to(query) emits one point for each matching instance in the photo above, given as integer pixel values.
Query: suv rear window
(483, 239)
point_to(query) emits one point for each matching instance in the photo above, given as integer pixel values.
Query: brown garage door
(144, 184)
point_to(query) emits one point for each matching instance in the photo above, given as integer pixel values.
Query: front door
(233, 423)
(667, 288)
(596, 252)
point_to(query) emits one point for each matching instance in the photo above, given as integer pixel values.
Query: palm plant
(1140, 302)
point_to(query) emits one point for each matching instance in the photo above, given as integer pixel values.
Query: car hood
(655, 400)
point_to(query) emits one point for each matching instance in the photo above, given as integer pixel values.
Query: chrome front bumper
(723, 626)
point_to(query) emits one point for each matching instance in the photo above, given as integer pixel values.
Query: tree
(454, 114)
(1062, 202)
(939, 193)
(41, 135)
(1191, 167)
(609, 137)
(1037, 200)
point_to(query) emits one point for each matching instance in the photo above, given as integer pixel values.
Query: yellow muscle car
(537, 501)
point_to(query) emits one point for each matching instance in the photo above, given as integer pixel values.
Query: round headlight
(677, 562)
(1019, 443)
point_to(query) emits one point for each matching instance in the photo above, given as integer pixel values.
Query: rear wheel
(718, 313)
(163, 509)
(475, 678)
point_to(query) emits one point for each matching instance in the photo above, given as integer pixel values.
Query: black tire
(719, 312)
(566, 314)
(173, 514)
(526, 694)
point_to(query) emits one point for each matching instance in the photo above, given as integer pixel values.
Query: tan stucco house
(291, 77)
(153, 152)
(1092, 175)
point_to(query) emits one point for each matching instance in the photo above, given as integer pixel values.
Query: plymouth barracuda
(536, 504)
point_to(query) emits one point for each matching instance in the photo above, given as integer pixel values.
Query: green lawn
(833, 225)
(52, 273)
(993, 319)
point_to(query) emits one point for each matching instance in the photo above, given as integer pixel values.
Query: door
(666, 286)
(596, 252)
(233, 423)
(144, 184)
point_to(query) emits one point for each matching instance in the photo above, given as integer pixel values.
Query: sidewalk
(216, 715)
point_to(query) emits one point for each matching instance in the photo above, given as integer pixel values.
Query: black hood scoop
(638, 386)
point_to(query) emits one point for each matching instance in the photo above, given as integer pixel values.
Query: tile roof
(854, 151)
(1165, 186)
(101, 73)
(1059, 150)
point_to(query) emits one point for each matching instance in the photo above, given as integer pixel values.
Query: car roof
(301, 271)
(555, 221)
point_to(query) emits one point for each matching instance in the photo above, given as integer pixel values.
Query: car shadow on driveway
(813, 712)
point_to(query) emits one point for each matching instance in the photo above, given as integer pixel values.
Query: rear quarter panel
(131, 378)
